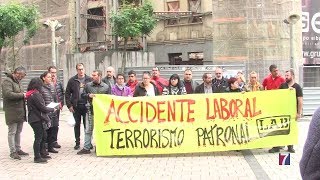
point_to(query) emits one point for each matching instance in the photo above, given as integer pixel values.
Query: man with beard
(290, 83)
(109, 79)
(59, 96)
(219, 83)
(14, 109)
(188, 82)
(90, 90)
(206, 87)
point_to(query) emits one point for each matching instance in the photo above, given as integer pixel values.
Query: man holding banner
(290, 83)
(92, 88)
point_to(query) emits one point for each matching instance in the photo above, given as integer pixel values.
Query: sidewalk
(255, 164)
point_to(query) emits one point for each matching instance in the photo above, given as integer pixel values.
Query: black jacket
(310, 161)
(200, 89)
(219, 86)
(141, 90)
(36, 106)
(59, 92)
(72, 90)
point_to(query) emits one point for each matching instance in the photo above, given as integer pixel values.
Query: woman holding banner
(146, 87)
(175, 86)
(120, 88)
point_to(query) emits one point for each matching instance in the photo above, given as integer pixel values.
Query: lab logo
(284, 159)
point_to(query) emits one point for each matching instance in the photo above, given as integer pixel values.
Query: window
(175, 58)
(195, 58)
(92, 23)
(173, 6)
(195, 8)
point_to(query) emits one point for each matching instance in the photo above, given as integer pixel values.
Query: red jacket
(160, 83)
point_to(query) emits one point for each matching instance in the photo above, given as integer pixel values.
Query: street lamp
(291, 20)
(58, 41)
(54, 25)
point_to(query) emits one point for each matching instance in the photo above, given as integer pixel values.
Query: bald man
(109, 79)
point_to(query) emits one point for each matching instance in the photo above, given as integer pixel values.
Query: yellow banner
(194, 123)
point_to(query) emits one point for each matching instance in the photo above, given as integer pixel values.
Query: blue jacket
(310, 161)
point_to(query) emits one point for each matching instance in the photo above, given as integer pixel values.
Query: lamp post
(291, 20)
(54, 26)
(58, 41)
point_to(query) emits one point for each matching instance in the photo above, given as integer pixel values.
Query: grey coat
(310, 161)
(13, 100)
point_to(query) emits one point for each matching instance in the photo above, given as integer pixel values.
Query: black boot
(50, 149)
(290, 149)
(40, 160)
(44, 156)
(274, 150)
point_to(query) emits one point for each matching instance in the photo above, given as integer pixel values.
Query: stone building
(249, 32)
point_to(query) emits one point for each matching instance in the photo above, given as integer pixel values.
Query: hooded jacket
(13, 100)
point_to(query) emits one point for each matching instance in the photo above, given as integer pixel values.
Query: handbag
(45, 121)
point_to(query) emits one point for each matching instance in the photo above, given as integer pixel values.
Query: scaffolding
(251, 32)
(93, 28)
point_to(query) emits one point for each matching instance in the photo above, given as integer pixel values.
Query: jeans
(51, 135)
(79, 111)
(40, 137)
(14, 132)
(88, 131)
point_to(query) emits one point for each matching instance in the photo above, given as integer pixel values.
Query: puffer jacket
(47, 92)
(13, 100)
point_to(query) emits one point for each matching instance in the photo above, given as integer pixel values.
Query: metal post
(57, 53)
(291, 47)
(53, 46)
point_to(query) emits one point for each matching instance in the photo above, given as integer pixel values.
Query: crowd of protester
(81, 89)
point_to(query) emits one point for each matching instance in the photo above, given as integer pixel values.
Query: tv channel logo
(284, 159)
